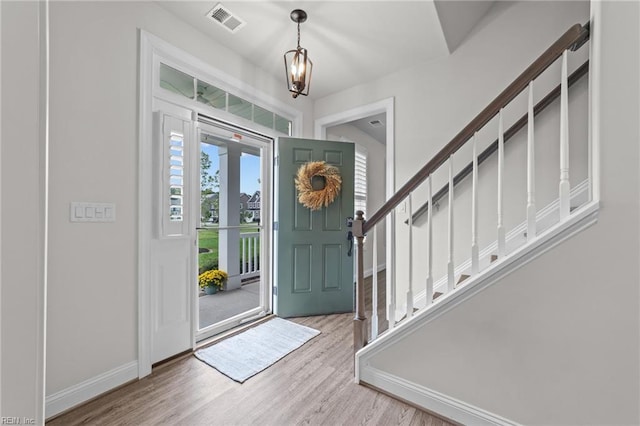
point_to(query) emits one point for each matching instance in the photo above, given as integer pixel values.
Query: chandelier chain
(298, 34)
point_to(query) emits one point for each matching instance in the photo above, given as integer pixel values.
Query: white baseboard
(430, 400)
(582, 218)
(82, 392)
(369, 272)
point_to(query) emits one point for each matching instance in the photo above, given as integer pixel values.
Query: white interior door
(173, 242)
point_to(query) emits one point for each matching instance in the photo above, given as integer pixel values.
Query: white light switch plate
(92, 212)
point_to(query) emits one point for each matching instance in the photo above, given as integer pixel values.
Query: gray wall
(435, 100)
(92, 320)
(93, 285)
(92, 276)
(557, 341)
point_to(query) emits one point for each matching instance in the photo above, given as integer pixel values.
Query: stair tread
(462, 278)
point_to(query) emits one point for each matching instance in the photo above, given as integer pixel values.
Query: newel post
(360, 321)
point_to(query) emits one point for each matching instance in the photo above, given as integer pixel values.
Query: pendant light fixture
(297, 63)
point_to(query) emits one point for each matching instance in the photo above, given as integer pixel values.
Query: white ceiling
(349, 42)
(377, 132)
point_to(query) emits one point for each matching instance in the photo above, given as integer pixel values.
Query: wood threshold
(229, 333)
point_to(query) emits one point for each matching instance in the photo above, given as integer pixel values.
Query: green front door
(314, 257)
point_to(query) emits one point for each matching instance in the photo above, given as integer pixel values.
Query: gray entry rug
(248, 353)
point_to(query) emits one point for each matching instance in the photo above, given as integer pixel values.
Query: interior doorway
(375, 122)
(234, 175)
(369, 136)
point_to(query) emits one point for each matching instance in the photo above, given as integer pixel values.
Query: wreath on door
(318, 184)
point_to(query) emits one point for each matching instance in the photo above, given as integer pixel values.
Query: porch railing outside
(249, 255)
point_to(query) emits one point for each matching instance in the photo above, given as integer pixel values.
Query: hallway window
(360, 183)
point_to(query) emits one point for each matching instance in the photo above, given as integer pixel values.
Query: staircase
(442, 277)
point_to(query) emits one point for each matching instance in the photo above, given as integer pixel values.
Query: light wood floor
(313, 385)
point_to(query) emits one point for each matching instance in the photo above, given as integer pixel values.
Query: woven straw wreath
(316, 199)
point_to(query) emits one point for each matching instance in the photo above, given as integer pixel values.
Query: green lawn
(208, 238)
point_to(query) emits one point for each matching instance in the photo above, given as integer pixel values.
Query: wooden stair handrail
(511, 132)
(572, 39)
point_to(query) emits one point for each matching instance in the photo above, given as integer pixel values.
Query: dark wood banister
(572, 39)
(511, 132)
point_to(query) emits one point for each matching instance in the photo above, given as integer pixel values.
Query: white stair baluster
(389, 278)
(531, 172)
(374, 285)
(501, 232)
(450, 269)
(564, 142)
(429, 295)
(410, 291)
(475, 251)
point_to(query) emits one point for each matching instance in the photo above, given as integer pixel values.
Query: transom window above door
(208, 94)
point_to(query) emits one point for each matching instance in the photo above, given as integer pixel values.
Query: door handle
(349, 222)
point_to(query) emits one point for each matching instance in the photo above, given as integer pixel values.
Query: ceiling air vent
(222, 15)
(376, 123)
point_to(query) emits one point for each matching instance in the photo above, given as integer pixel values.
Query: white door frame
(44, 122)
(153, 49)
(266, 282)
(36, 18)
(382, 106)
